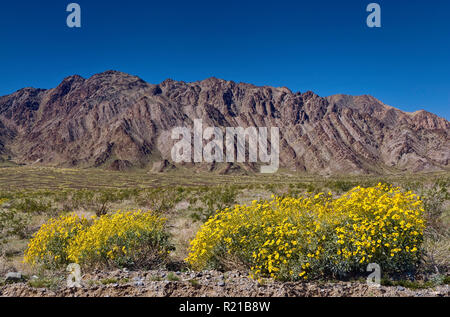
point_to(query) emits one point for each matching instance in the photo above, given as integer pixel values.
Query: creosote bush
(11, 224)
(315, 235)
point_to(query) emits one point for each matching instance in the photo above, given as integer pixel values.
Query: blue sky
(322, 45)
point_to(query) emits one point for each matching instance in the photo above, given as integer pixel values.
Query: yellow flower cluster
(383, 224)
(49, 245)
(297, 238)
(120, 239)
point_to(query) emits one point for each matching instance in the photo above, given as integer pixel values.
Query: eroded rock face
(116, 120)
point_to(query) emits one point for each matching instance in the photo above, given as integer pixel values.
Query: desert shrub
(32, 205)
(49, 246)
(215, 199)
(99, 201)
(11, 224)
(123, 239)
(436, 254)
(315, 235)
(437, 234)
(160, 200)
(82, 198)
(434, 199)
(340, 186)
(102, 201)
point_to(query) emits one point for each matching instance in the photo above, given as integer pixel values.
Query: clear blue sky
(321, 45)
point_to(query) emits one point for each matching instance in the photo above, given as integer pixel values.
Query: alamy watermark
(229, 148)
(74, 18)
(74, 277)
(374, 278)
(374, 18)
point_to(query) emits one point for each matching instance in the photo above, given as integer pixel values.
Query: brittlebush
(315, 236)
(49, 246)
(131, 239)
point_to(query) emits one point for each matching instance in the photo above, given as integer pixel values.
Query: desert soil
(208, 284)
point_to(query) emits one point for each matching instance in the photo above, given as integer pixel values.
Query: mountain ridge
(116, 120)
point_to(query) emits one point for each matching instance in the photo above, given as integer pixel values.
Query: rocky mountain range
(118, 121)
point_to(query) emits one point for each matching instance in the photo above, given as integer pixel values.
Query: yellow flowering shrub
(49, 246)
(132, 239)
(316, 235)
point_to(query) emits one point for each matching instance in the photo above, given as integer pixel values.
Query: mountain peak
(115, 75)
(71, 80)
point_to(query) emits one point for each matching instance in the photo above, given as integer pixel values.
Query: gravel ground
(207, 284)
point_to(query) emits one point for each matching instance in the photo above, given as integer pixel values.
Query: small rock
(13, 277)
(221, 284)
(138, 281)
(400, 288)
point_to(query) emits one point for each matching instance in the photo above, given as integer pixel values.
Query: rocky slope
(115, 120)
